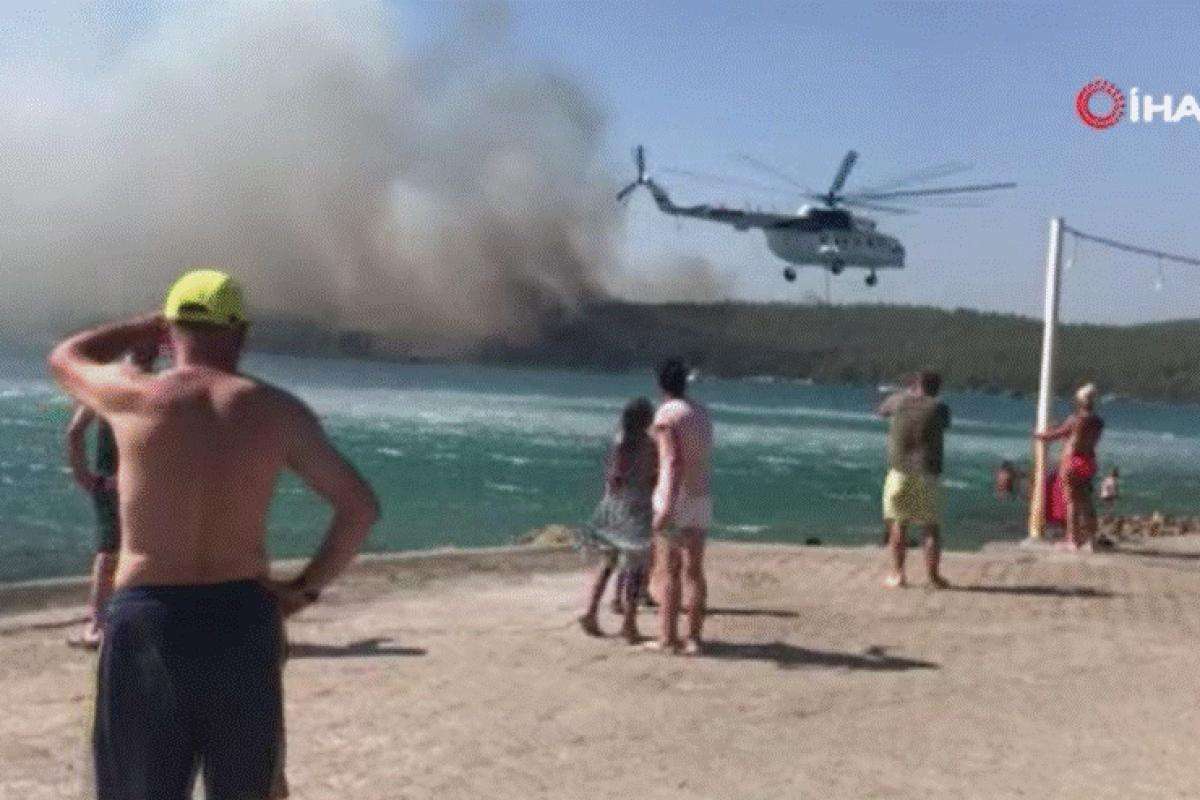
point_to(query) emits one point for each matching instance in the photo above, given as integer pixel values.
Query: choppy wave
(510, 488)
(516, 461)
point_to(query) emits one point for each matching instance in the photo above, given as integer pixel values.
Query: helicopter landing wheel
(872, 278)
(789, 274)
(836, 268)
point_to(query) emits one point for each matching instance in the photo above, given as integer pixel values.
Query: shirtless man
(1081, 432)
(682, 506)
(190, 661)
(100, 484)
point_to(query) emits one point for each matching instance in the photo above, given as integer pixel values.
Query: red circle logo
(1083, 102)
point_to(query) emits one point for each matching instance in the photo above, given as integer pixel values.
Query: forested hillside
(871, 343)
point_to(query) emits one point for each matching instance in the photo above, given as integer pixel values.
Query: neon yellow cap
(205, 295)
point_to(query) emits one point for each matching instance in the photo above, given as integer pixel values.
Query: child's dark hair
(673, 377)
(635, 419)
(930, 381)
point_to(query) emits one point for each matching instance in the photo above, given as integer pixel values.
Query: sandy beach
(465, 676)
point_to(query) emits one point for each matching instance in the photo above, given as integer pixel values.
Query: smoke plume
(687, 279)
(449, 194)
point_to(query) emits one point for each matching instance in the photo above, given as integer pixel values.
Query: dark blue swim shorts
(190, 681)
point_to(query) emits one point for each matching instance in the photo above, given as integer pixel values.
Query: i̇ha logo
(1143, 108)
(1083, 104)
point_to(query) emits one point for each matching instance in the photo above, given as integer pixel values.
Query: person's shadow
(787, 656)
(359, 649)
(1040, 591)
(777, 613)
(1181, 556)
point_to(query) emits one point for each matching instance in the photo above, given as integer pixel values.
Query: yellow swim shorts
(912, 497)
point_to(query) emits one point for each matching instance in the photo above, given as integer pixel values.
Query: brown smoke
(688, 279)
(451, 193)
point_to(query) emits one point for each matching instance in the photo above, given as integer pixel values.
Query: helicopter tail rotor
(639, 159)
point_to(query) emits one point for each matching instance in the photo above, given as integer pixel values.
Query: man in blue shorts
(191, 655)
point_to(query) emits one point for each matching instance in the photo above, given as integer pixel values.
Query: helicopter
(823, 234)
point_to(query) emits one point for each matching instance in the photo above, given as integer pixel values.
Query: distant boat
(887, 388)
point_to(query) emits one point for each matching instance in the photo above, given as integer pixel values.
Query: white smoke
(449, 194)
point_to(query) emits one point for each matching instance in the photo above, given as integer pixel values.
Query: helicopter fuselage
(833, 238)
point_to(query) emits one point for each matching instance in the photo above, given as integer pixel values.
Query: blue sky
(908, 85)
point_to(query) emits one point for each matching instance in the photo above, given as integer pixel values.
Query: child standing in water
(620, 526)
(1110, 490)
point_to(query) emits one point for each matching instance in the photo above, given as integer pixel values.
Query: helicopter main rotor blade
(878, 207)
(940, 190)
(843, 172)
(931, 173)
(955, 205)
(714, 178)
(950, 201)
(775, 173)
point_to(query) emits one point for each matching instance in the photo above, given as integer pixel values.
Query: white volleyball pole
(1037, 504)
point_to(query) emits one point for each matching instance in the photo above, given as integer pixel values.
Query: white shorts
(692, 512)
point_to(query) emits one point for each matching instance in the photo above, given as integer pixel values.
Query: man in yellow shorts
(912, 492)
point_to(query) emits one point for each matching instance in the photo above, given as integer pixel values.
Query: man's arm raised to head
(355, 508)
(87, 364)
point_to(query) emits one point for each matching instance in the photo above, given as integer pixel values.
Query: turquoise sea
(467, 455)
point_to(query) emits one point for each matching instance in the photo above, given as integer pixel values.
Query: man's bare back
(1080, 433)
(202, 450)
(1086, 434)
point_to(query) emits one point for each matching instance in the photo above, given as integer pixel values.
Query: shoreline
(42, 594)
(407, 567)
(416, 567)
(550, 544)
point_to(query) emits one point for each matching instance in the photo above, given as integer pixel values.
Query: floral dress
(620, 525)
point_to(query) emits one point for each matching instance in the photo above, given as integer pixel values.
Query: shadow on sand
(786, 656)
(51, 625)
(1040, 591)
(1159, 554)
(361, 648)
(777, 613)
